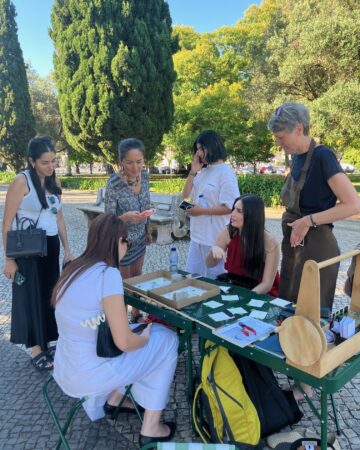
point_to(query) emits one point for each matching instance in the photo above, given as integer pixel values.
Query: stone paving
(24, 419)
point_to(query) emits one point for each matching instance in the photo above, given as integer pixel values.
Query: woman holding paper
(250, 252)
(127, 195)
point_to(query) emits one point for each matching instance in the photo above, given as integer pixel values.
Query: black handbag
(105, 345)
(27, 240)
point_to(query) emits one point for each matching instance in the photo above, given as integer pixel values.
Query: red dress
(234, 265)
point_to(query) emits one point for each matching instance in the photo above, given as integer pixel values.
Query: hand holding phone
(186, 205)
(19, 278)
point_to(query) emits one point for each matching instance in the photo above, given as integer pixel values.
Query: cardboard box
(162, 294)
(132, 283)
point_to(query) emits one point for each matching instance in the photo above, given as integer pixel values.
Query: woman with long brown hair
(88, 288)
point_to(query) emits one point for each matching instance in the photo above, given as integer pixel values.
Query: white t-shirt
(219, 186)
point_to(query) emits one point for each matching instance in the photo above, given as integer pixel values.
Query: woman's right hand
(197, 162)
(10, 268)
(218, 253)
(132, 217)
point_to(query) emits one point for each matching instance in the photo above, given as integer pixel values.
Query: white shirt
(219, 186)
(30, 207)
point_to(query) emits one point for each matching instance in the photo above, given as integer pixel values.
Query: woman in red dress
(248, 249)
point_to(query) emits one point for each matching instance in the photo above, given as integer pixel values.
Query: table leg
(190, 367)
(336, 419)
(324, 419)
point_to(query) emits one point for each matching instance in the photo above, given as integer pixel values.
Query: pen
(245, 328)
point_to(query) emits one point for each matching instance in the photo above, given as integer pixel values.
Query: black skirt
(32, 316)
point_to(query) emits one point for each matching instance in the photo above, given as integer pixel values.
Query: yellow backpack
(222, 409)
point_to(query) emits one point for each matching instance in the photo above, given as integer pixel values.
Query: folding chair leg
(61, 430)
(128, 394)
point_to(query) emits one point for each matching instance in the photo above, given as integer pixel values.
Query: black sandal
(42, 362)
(51, 352)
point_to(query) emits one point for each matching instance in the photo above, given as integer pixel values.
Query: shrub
(268, 187)
(6, 177)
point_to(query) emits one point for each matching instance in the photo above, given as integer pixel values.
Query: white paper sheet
(280, 302)
(229, 298)
(213, 304)
(256, 303)
(258, 314)
(220, 316)
(238, 310)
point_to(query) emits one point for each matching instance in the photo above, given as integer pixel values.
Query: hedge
(266, 186)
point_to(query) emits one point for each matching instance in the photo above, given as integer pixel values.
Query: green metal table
(195, 318)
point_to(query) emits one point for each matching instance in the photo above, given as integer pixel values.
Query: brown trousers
(319, 244)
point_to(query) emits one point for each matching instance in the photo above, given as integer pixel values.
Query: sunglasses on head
(52, 201)
(278, 111)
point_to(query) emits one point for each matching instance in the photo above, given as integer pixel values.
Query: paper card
(238, 310)
(258, 314)
(279, 302)
(256, 303)
(229, 298)
(225, 289)
(213, 304)
(220, 316)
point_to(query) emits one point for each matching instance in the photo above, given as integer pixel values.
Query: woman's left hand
(299, 230)
(196, 210)
(68, 256)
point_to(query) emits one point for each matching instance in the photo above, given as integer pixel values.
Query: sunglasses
(278, 111)
(127, 242)
(52, 201)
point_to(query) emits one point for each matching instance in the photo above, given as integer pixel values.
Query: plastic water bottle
(173, 260)
(202, 202)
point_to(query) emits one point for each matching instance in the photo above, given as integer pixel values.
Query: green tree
(44, 104)
(16, 118)
(210, 93)
(114, 72)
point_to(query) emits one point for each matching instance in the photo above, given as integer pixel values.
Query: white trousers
(149, 369)
(196, 261)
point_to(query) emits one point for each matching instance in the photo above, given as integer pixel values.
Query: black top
(316, 195)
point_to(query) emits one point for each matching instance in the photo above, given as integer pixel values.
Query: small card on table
(279, 302)
(229, 298)
(258, 314)
(256, 303)
(213, 304)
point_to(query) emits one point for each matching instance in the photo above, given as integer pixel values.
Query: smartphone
(139, 328)
(186, 205)
(19, 278)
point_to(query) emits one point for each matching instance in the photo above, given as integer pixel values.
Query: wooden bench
(168, 219)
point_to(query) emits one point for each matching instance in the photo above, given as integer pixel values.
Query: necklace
(133, 182)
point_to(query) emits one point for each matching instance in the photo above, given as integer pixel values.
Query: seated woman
(248, 249)
(89, 286)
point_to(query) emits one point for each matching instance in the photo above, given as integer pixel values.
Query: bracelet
(313, 223)
(193, 174)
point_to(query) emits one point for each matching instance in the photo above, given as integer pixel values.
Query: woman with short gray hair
(316, 193)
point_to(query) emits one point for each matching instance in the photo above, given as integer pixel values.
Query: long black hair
(102, 246)
(252, 234)
(36, 147)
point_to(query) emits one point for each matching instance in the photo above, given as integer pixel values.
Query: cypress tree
(16, 118)
(114, 72)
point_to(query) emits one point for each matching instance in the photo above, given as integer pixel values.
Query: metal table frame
(327, 385)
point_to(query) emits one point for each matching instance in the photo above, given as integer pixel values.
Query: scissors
(246, 329)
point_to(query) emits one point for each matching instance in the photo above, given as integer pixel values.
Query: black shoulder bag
(27, 240)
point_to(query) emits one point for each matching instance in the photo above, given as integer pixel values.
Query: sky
(33, 20)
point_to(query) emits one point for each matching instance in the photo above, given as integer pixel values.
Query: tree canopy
(114, 72)
(16, 118)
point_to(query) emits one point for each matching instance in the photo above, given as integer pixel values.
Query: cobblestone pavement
(24, 420)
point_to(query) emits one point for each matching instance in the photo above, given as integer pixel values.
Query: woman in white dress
(89, 286)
